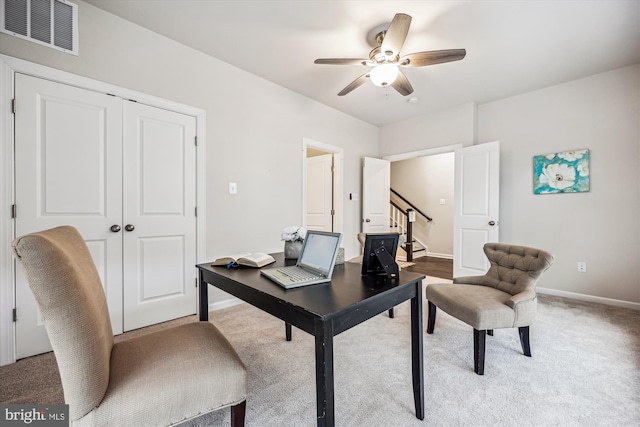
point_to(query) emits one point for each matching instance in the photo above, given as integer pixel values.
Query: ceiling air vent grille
(52, 23)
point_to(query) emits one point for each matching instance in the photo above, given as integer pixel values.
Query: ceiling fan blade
(421, 59)
(396, 35)
(341, 61)
(402, 85)
(354, 84)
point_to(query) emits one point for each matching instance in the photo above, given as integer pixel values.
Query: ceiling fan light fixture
(384, 74)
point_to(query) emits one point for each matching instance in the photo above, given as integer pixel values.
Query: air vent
(52, 23)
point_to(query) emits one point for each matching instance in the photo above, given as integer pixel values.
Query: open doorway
(426, 184)
(322, 186)
(476, 202)
(415, 174)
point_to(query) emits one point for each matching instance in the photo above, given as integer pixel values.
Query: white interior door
(320, 193)
(159, 210)
(376, 183)
(68, 155)
(476, 206)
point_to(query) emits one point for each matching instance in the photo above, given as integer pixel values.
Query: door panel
(476, 206)
(376, 179)
(160, 201)
(66, 138)
(320, 193)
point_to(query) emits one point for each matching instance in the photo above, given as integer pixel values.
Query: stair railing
(428, 218)
(403, 220)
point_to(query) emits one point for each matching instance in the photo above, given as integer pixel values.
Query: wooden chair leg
(237, 414)
(431, 322)
(391, 313)
(479, 340)
(524, 340)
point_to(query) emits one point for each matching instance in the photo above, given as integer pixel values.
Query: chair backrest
(69, 293)
(515, 268)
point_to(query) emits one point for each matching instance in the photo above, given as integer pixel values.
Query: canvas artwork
(565, 172)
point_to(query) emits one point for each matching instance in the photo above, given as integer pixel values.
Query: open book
(257, 259)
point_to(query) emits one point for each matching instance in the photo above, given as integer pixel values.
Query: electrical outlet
(582, 266)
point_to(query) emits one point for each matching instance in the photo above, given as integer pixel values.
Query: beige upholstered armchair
(504, 297)
(158, 379)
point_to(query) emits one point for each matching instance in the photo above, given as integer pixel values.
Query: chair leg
(431, 322)
(479, 340)
(237, 414)
(287, 331)
(490, 332)
(391, 313)
(524, 340)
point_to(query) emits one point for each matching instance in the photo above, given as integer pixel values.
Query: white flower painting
(565, 172)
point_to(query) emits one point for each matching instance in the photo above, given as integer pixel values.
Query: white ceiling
(512, 46)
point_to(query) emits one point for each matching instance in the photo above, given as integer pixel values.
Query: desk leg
(416, 351)
(287, 330)
(324, 373)
(203, 298)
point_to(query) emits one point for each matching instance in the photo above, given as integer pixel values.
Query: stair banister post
(411, 216)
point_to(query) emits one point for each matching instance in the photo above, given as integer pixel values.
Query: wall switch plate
(443, 201)
(233, 188)
(582, 266)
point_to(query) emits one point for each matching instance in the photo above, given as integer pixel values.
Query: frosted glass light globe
(384, 74)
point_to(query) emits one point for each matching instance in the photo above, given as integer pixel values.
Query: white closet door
(68, 172)
(376, 182)
(476, 206)
(159, 210)
(320, 193)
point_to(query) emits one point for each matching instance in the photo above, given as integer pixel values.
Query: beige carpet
(585, 371)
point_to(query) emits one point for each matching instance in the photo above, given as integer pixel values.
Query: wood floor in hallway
(431, 266)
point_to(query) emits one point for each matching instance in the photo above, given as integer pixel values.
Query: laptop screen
(319, 251)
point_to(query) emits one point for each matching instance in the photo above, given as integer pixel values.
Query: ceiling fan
(385, 59)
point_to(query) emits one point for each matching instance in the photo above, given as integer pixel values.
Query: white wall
(425, 181)
(601, 227)
(254, 128)
(449, 127)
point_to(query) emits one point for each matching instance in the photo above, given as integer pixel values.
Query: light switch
(443, 202)
(233, 188)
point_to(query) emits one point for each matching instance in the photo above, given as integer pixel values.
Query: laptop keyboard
(297, 274)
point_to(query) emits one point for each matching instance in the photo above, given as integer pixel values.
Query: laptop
(315, 264)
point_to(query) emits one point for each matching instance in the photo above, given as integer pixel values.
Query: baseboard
(224, 304)
(437, 255)
(589, 298)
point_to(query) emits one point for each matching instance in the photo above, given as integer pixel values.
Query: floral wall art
(565, 172)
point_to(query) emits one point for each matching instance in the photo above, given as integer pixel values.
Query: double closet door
(123, 174)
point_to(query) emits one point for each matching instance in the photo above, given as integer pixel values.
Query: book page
(231, 258)
(257, 259)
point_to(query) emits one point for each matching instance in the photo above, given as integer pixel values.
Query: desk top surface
(347, 287)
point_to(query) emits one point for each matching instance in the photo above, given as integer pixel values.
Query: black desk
(325, 310)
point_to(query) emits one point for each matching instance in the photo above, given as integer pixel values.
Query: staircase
(401, 221)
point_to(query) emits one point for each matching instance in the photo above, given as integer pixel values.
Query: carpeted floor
(585, 370)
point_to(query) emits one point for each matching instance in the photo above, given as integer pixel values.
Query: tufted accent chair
(159, 379)
(504, 297)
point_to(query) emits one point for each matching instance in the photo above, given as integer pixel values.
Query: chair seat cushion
(482, 307)
(161, 378)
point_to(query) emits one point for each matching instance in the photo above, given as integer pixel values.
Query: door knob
(367, 220)
(492, 223)
(115, 228)
(129, 227)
